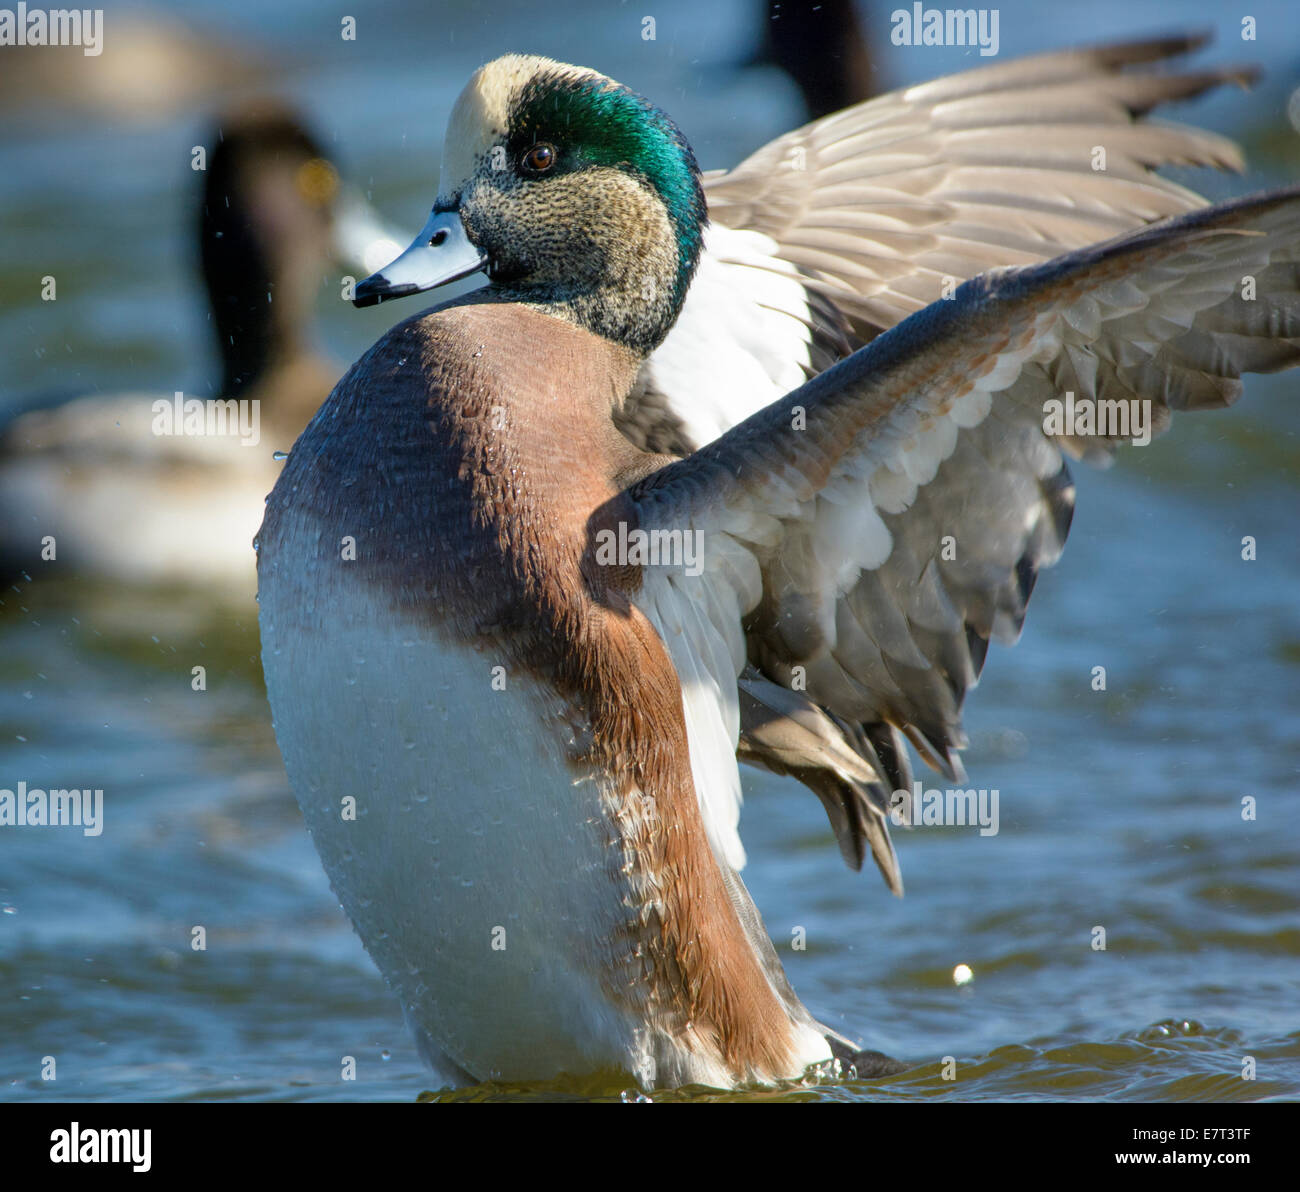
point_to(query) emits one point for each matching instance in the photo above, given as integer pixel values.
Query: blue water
(1119, 809)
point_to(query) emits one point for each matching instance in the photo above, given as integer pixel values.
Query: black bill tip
(377, 288)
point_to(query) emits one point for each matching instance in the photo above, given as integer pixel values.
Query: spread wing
(865, 537)
(841, 229)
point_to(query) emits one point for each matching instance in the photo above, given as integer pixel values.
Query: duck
(675, 489)
(110, 485)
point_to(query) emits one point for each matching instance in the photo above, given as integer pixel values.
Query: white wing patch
(742, 339)
(698, 618)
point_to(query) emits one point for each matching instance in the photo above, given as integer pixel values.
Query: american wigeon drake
(106, 476)
(513, 655)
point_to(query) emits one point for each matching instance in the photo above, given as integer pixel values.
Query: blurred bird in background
(122, 493)
(823, 48)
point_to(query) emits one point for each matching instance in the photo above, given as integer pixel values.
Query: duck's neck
(631, 310)
(629, 292)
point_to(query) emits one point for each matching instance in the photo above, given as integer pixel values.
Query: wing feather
(898, 507)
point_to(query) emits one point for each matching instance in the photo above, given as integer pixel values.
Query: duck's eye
(539, 158)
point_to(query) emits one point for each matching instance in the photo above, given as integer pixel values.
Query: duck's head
(570, 192)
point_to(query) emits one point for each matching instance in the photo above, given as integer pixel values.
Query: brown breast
(472, 455)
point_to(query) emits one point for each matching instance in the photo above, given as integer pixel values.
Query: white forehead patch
(481, 114)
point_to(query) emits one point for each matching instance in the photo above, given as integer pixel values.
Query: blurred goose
(620, 517)
(823, 48)
(111, 479)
